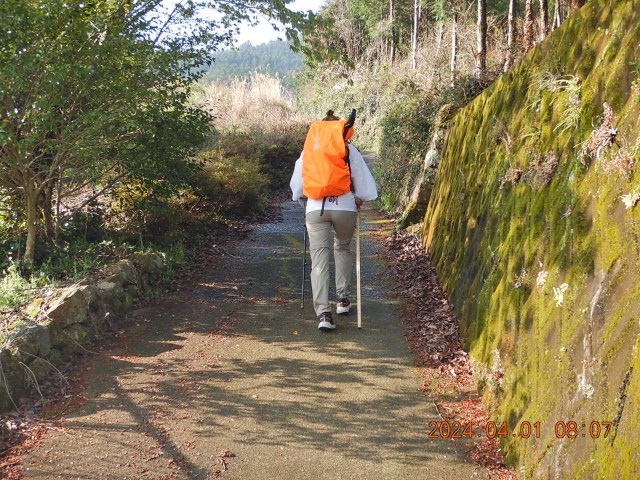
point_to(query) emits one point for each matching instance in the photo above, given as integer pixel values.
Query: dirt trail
(235, 380)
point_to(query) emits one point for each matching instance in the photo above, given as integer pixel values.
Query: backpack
(325, 160)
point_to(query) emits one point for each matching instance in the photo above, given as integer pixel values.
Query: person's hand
(303, 202)
(358, 203)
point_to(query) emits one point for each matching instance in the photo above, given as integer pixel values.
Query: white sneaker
(326, 322)
(343, 306)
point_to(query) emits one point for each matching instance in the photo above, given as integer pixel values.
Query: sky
(263, 33)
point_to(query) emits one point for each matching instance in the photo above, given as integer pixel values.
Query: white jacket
(363, 183)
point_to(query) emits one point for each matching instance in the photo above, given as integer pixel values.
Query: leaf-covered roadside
(432, 330)
(23, 430)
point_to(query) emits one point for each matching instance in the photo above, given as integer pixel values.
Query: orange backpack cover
(325, 172)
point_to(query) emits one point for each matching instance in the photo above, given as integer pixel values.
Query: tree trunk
(481, 54)
(435, 71)
(440, 38)
(454, 48)
(414, 36)
(392, 49)
(544, 19)
(528, 25)
(31, 207)
(557, 14)
(511, 35)
(58, 195)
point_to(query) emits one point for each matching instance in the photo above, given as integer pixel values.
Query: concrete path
(235, 365)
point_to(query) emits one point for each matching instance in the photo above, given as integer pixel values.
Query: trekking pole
(359, 302)
(304, 255)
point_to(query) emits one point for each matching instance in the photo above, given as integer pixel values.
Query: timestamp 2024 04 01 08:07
(571, 429)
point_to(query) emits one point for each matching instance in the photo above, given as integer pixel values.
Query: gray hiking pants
(319, 228)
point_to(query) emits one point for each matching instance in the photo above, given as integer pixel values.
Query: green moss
(614, 321)
(619, 341)
(573, 228)
(617, 457)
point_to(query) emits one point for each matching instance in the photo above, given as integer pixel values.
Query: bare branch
(168, 21)
(107, 187)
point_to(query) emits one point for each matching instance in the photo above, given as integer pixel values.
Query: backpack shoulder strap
(347, 160)
(346, 134)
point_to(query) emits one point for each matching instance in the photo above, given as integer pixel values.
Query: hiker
(339, 213)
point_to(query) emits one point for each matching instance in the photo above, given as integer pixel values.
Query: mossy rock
(40, 368)
(150, 263)
(72, 305)
(115, 297)
(127, 270)
(411, 215)
(28, 341)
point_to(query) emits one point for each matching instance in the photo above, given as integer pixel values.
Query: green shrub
(280, 154)
(406, 129)
(232, 185)
(276, 152)
(140, 218)
(76, 258)
(14, 289)
(405, 137)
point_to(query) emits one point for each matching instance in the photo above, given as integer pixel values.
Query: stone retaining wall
(65, 320)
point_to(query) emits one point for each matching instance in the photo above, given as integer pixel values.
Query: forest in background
(399, 61)
(274, 58)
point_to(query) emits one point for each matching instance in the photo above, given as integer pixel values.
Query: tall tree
(544, 19)
(417, 13)
(94, 94)
(481, 36)
(454, 48)
(435, 72)
(558, 13)
(527, 34)
(511, 35)
(393, 38)
(441, 11)
(384, 27)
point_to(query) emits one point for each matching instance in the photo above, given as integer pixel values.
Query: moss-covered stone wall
(534, 230)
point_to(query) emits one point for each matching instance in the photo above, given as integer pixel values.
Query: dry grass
(603, 146)
(258, 102)
(601, 137)
(512, 176)
(541, 170)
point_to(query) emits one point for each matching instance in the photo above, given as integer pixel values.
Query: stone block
(28, 340)
(150, 263)
(72, 305)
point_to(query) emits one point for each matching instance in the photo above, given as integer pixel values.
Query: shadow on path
(237, 365)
